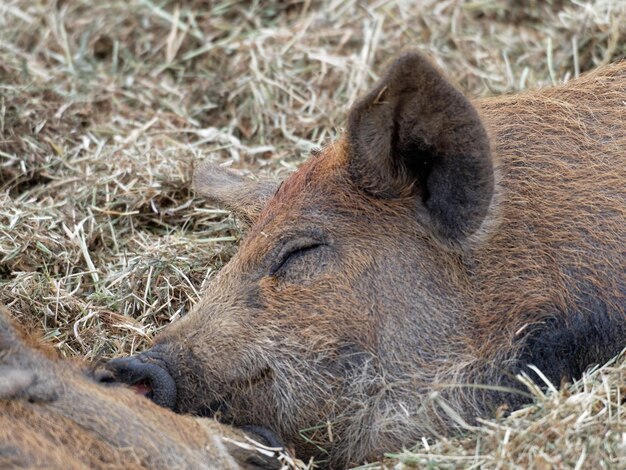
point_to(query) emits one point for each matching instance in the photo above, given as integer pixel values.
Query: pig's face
(305, 319)
(346, 286)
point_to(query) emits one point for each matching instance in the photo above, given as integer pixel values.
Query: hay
(105, 108)
(580, 427)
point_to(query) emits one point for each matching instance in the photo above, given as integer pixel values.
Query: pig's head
(328, 323)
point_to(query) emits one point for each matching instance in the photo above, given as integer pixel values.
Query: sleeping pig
(399, 280)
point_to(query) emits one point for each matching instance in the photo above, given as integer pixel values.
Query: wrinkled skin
(58, 414)
(414, 267)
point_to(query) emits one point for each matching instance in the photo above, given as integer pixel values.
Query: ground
(106, 108)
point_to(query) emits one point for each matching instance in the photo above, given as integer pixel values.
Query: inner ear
(244, 197)
(416, 134)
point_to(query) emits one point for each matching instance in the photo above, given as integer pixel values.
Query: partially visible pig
(63, 415)
(414, 267)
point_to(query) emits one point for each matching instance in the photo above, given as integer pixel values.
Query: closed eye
(291, 253)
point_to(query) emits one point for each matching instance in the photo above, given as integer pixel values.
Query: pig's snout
(147, 377)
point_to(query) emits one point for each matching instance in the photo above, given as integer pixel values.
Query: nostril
(145, 389)
(148, 379)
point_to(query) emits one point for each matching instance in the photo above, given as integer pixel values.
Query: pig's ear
(14, 338)
(20, 358)
(11, 336)
(14, 377)
(416, 134)
(243, 196)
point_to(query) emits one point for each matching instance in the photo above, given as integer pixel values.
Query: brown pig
(397, 282)
(63, 415)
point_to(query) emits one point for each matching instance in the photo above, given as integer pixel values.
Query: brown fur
(425, 259)
(225, 187)
(55, 414)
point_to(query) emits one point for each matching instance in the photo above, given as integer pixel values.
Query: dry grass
(580, 427)
(105, 108)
